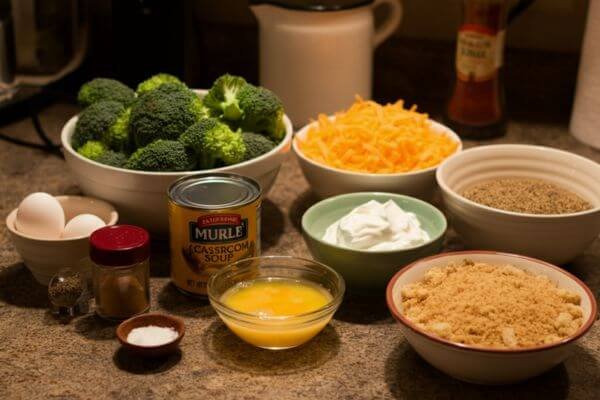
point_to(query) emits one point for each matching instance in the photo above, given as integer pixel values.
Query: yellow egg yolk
(276, 297)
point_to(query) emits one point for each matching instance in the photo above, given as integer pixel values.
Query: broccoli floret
(156, 81)
(80, 137)
(256, 145)
(162, 155)
(262, 112)
(112, 158)
(222, 98)
(164, 113)
(102, 89)
(204, 111)
(197, 106)
(117, 135)
(168, 88)
(97, 151)
(94, 121)
(214, 143)
(92, 149)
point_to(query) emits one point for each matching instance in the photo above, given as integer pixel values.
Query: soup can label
(214, 220)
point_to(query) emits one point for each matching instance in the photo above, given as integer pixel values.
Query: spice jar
(120, 257)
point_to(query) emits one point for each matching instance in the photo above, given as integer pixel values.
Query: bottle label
(479, 53)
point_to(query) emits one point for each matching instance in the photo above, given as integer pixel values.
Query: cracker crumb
(492, 306)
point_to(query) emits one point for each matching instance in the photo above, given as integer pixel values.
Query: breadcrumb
(492, 306)
(524, 195)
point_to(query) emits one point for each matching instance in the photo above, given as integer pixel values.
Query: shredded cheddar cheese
(378, 139)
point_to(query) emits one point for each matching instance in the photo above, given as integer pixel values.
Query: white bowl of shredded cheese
(371, 147)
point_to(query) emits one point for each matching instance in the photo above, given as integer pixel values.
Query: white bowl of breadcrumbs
(489, 317)
(532, 200)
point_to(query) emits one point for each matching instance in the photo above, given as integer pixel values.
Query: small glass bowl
(276, 332)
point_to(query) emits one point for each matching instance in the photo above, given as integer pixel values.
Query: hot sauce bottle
(476, 107)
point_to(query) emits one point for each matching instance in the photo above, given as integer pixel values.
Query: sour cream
(374, 226)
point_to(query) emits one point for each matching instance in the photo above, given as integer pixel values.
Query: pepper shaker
(65, 292)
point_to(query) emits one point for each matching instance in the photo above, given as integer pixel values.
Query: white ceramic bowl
(553, 238)
(141, 196)
(488, 366)
(45, 257)
(327, 181)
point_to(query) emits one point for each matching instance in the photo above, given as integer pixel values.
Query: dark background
(199, 40)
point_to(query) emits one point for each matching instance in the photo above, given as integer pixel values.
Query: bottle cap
(119, 245)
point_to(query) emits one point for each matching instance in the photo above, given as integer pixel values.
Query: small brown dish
(155, 319)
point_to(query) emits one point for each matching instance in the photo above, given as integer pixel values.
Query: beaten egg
(282, 308)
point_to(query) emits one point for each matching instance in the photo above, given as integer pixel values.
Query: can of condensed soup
(214, 220)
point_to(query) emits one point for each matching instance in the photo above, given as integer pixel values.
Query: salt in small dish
(154, 319)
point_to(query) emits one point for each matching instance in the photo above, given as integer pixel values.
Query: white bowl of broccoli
(128, 149)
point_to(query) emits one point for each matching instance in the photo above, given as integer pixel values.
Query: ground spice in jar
(526, 195)
(121, 296)
(120, 256)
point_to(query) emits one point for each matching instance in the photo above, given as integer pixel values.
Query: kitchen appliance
(41, 42)
(318, 55)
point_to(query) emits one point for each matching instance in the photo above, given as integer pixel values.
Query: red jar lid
(119, 245)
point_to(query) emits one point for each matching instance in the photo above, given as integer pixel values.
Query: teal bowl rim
(333, 199)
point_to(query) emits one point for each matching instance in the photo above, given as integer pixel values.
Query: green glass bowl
(369, 271)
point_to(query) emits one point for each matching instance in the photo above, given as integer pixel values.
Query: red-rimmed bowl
(481, 365)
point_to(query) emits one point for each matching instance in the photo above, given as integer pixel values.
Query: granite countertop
(360, 355)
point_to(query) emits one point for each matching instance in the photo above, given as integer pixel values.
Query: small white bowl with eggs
(51, 233)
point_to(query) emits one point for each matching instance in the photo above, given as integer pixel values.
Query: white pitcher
(317, 56)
